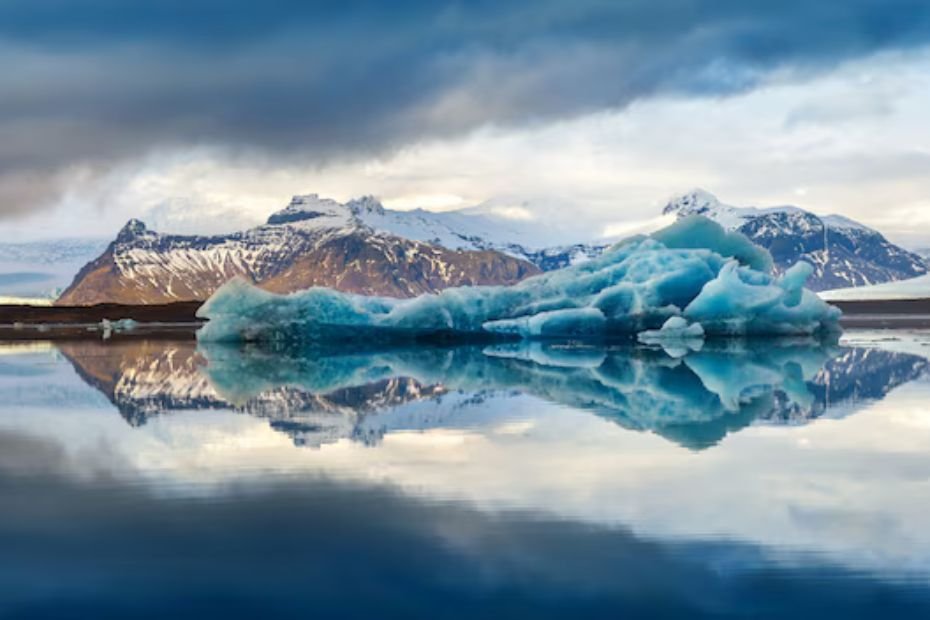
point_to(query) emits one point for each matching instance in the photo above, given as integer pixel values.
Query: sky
(207, 116)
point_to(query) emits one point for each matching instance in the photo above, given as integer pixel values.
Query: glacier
(693, 269)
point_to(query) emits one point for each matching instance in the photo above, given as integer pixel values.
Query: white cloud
(629, 228)
(854, 142)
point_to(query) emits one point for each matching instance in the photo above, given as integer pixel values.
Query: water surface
(782, 479)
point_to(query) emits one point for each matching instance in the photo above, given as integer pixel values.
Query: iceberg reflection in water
(318, 396)
(694, 400)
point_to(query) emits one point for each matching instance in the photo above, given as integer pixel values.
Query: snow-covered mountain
(844, 253)
(857, 255)
(361, 246)
(476, 228)
(312, 242)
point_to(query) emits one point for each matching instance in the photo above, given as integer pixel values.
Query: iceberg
(693, 270)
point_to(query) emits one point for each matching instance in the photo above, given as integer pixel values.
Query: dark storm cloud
(95, 81)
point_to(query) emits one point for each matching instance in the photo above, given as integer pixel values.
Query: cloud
(584, 178)
(95, 82)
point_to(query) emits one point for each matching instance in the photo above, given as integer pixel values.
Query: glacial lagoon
(156, 478)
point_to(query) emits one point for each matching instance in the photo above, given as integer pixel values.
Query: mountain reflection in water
(317, 396)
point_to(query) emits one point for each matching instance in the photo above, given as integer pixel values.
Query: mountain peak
(131, 230)
(309, 207)
(696, 201)
(313, 242)
(366, 204)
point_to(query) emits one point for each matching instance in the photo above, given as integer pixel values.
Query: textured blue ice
(692, 269)
(675, 329)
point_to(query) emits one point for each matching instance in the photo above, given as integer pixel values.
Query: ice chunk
(738, 303)
(125, 325)
(693, 269)
(108, 327)
(676, 328)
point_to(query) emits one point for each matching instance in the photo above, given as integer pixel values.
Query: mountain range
(312, 242)
(844, 253)
(360, 246)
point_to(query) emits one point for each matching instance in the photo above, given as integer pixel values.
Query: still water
(158, 478)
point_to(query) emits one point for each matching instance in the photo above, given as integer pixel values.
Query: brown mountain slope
(144, 267)
(379, 265)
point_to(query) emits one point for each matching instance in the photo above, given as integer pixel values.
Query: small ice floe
(676, 328)
(677, 336)
(108, 327)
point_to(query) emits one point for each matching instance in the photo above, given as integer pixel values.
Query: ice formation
(108, 327)
(676, 328)
(693, 269)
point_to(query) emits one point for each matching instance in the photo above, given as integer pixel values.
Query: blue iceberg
(693, 269)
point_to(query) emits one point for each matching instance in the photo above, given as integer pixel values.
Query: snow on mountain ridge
(437, 248)
(844, 252)
(699, 201)
(472, 228)
(841, 221)
(312, 212)
(312, 242)
(702, 202)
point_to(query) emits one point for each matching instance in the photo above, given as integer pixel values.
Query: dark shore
(180, 312)
(19, 322)
(887, 314)
(888, 306)
(180, 320)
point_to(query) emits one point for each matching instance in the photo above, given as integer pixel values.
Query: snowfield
(914, 288)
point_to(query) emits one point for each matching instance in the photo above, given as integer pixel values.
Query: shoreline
(174, 320)
(886, 307)
(24, 323)
(177, 312)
